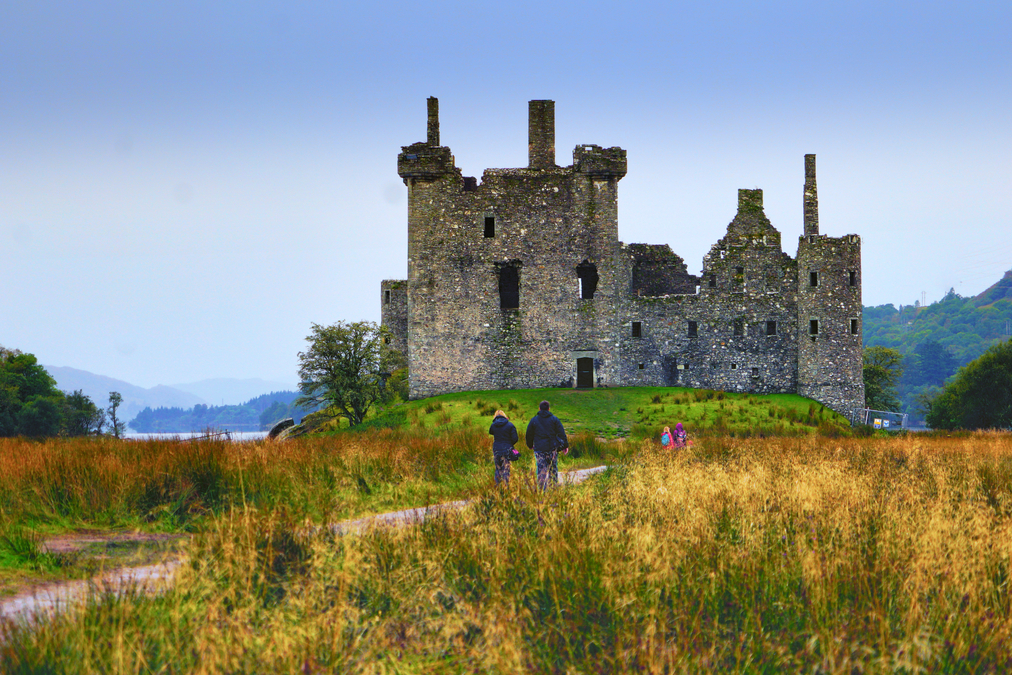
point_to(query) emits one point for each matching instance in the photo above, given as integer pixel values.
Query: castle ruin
(520, 281)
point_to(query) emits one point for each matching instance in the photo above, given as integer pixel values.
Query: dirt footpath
(153, 559)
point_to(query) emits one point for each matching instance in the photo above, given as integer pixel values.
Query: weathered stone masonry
(520, 281)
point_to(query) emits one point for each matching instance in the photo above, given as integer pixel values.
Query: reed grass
(735, 555)
(170, 485)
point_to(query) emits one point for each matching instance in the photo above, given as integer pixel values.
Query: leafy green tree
(345, 368)
(882, 369)
(81, 417)
(116, 425)
(30, 403)
(41, 417)
(980, 396)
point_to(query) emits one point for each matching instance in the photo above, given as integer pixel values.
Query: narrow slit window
(587, 273)
(693, 329)
(713, 281)
(813, 327)
(637, 329)
(489, 227)
(852, 275)
(813, 279)
(771, 327)
(854, 327)
(509, 287)
(386, 297)
(755, 372)
(739, 327)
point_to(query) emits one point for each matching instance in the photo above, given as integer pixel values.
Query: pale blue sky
(185, 187)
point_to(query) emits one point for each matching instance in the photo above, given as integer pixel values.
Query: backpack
(665, 439)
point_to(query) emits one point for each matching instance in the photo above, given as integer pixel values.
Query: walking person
(504, 437)
(545, 436)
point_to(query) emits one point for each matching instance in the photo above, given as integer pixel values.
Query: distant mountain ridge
(135, 398)
(216, 391)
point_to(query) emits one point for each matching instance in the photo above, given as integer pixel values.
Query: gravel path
(154, 579)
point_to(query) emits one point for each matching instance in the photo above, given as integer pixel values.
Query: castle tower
(830, 350)
(512, 281)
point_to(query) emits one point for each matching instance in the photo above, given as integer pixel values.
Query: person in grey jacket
(504, 437)
(545, 436)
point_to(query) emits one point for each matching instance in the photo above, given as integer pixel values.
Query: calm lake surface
(235, 435)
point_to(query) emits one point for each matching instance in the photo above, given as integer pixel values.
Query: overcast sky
(186, 186)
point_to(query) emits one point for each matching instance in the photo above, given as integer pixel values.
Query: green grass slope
(624, 412)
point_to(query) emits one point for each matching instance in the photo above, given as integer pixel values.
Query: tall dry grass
(815, 555)
(105, 481)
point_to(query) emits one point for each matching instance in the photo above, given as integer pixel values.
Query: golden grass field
(810, 554)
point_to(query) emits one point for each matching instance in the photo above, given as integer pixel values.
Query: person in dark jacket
(504, 437)
(545, 436)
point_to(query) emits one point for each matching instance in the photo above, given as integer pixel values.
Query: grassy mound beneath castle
(626, 412)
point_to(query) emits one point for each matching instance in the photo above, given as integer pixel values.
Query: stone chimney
(433, 138)
(811, 198)
(541, 135)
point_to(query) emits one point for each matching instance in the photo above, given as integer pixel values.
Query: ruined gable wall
(716, 357)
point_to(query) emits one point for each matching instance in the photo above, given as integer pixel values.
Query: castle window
(734, 366)
(813, 279)
(587, 272)
(509, 287)
(855, 327)
(713, 281)
(739, 327)
(740, 271)
(853, 277)
(755, 372)
(386, 339)
(693, 330)
(771, 327)
(489, 227)
(386, 297)
(637, 329)
(813, 327)
(722, 253)
(641, 366)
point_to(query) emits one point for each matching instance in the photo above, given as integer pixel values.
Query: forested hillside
(256, 414)
(938, 339)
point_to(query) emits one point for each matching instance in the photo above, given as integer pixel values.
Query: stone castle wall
(394, 312)
(520, 281)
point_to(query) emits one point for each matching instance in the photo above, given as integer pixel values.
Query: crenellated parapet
(425, 162)
(593, 160)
